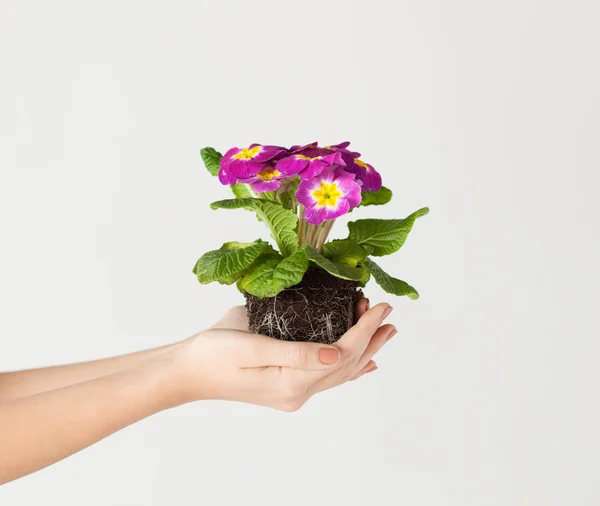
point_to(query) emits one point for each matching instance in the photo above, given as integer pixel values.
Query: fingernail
(374, 368)
(392, 334)
(368, 303)
(386, 313)
(329, 356)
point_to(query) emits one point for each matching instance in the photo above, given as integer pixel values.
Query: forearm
(41, 429)
(17, 384)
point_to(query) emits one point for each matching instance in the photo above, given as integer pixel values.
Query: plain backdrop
(485, 111)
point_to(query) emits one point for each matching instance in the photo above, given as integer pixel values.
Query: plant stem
(323, 233)
(301, 232)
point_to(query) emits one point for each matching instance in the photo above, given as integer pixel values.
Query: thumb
(293, 354)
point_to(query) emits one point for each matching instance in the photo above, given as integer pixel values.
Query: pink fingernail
(329, 356)
(386, 313)
(392, 334)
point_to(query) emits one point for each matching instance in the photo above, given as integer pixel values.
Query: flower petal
(268, 152)
(371, 180)
(245, 168)
(297, 148)
(341, 145)
(225, 176)
(314, 168)
(366, 173)
(266, 186)
(319, 214)
(352, 192)
(291, 165)
(226, 160)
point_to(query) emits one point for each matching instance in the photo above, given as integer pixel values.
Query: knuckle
(298, 355)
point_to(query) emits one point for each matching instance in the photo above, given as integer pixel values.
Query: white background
(485, 111)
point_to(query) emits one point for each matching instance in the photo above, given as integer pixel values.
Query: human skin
(48, 414)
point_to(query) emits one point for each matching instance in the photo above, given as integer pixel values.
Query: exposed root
(319, 309)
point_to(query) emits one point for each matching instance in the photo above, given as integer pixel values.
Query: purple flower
(347, 155)
(328, 195)
(246, 162)
(309, 161)
(365, 173)
(268, 179)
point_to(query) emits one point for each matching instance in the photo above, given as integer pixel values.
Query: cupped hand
(228, 362)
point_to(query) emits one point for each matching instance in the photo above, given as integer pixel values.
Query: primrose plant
(298, 193)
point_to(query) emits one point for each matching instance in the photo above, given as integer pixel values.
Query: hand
(228, 362)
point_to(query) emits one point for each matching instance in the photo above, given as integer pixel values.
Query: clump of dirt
(318, 309)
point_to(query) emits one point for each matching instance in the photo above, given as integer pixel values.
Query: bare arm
(17, 384)
(221, 363)
(41, 429)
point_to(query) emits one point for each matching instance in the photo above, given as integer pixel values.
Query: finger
(377, 341)
(370, 367)
(235, 318)
(352, 345)
(357, 338)
(265, 351)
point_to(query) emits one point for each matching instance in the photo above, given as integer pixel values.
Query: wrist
(166, 376)
(183, 367)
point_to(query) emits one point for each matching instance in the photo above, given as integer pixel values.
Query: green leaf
(271, 274)
(290, 270)
(241, 191)
(390, 284)
(366, 276)
(211, 159)
(258, 280)
(384, 236)
(337, 269)
(345, 252)
(228, 263)
(282, 222)
(228, 246)
(378, 198)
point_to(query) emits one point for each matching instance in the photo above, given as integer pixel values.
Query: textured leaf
(290, 270)
(337, 269)
(228, 263)
(236, 245)
(345, 252)
(258, 280)
(282, 222)
(241, 191)
(384, 236)
(378, 198)
(390, 284)
(211, 159)
(271, 274)
(366, 276)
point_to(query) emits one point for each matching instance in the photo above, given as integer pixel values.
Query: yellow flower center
(268, 173)
(302, 157)
(248, 153)
(327, 195)
(362, 164)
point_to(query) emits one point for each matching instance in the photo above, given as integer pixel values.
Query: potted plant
(306, 288)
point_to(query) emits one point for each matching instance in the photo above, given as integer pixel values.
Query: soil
(318, 309)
